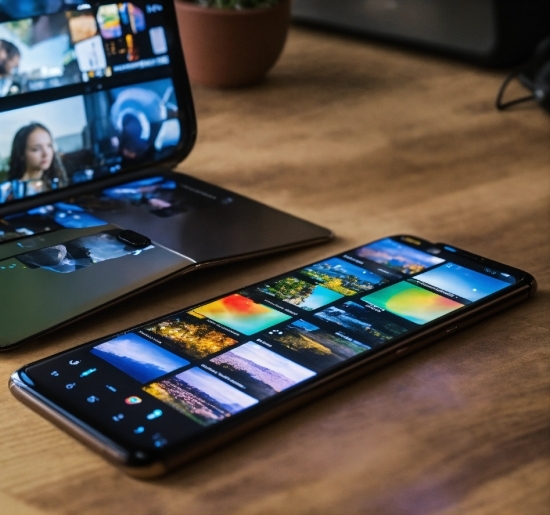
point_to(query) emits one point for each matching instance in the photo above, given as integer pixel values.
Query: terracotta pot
(228, 48)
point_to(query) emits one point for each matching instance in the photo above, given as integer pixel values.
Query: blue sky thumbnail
(465, 283)
(138, 357)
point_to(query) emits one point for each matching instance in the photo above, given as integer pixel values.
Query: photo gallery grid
(217, 359)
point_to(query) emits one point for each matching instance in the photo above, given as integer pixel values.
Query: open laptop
(95, 109)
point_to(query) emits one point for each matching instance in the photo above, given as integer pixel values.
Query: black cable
(499, 104)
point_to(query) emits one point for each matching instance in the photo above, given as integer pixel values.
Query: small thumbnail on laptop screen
(86, 91)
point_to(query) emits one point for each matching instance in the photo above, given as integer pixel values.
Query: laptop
(95, 110)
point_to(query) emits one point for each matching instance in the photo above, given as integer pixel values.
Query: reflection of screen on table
(50, 279)
(213, 361)
(156, 196)
(73, 255)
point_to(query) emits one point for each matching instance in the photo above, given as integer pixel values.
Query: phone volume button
(401, 352)
(451, 329)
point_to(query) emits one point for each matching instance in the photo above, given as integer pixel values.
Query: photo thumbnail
(138, 357)
(35, 54)
(261, 372)
(109, 21)
(397, 256)
(367, 324)
(79, 253)
(201, 396)
(196, 338)
(90, 54)
(343, 277)
(462, 282)
(300, 293)
(412, 303)
(105, 132)
(318, 348)
(241, 314)
(82, 25)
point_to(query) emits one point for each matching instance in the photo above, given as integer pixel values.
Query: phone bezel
(151, 464)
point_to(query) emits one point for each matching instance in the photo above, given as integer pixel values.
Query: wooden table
(369, 141)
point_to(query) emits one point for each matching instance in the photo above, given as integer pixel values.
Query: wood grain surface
(369, 141)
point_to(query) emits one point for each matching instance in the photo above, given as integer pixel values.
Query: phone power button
(452, 329)
(401, 352)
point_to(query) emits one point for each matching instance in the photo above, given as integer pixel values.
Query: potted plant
(229, 43)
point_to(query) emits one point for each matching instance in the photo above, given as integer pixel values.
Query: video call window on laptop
(86, 90)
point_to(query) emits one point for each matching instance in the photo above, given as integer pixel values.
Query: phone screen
(173, 379)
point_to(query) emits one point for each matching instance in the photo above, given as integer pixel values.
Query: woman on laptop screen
(35, 166)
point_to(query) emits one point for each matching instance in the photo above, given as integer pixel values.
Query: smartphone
(160, 394)
(62, 275)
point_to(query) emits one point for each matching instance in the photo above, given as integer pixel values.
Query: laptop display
(87, 90)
